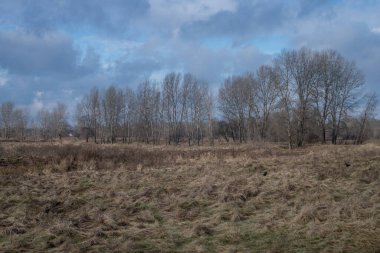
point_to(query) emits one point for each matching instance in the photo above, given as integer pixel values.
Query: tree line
(309, 93)
(178, 107)
(303, 96)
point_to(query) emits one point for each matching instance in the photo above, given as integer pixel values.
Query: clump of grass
(226, 198)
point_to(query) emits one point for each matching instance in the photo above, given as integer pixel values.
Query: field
(227, 198)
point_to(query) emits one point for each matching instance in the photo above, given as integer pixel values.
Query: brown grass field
(227, 198)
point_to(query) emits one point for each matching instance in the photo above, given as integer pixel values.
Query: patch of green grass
(280, 240)
(262, 241)
(187, 205)
(157, 215)
(144, 245)
(180, 241)
(208, 243)
(86, 183)
(3, 238)
(40, 242)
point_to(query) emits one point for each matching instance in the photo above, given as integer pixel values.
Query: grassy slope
(143, 199)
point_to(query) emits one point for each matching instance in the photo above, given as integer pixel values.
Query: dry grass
(89, 198)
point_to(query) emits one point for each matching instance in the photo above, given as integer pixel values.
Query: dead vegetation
(92, 198)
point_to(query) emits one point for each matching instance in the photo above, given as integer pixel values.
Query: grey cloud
(213, 65)
(44, 15)
(257, 18)
(38, 38)
(22, 90)
(354, 40)
(90, 63)
(53, 54)
(251, 18)
(29, 54)
(310, 7)
(45, 62)
(131, 72)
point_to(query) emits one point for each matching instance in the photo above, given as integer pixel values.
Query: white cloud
(3, 77)
(3, 81)
(68, 92)
(110, 49)
(39, 94)
(36, 105)
(376, 30)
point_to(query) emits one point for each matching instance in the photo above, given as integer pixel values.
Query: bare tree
(210, 115)
(286, 92)
(304, 75)
(198, 108)
(35, 131)
(88, 114)
(112, 104)
(83, 118)
(265, 96)
(43, 119)
(20, 122)
(94, 111)
(131, 113)
(53, 123)
(298, 76)
(149, 112)
(58, 120)
(329, 67)
(344, 95)
(6, 111)
(366, 116)
(174, 93)
(234, 103)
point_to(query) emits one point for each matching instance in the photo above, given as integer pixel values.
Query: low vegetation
(227, 198)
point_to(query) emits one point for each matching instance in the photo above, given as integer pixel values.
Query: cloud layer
(53, 50)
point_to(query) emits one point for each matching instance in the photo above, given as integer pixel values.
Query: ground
(226, 198)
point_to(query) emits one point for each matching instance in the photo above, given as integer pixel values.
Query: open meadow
(227, 198)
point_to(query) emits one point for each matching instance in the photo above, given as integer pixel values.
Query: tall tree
(112, 104)
(88, 114)
(265, 96)
(131, 113)
(329, 71)
(93, 102)
(198, 108)
(345, 95)
(20, 122)
(53, 124)
(286, 92)
(83, 118)
(304, 75)
(149, 112)
(43, 119)
(58, 120)
(234, 103)
(6, 111)
(175, 94)
(366, 116)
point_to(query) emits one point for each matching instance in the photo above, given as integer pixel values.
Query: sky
(57, 50)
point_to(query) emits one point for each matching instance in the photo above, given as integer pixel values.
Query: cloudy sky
(56, 50)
